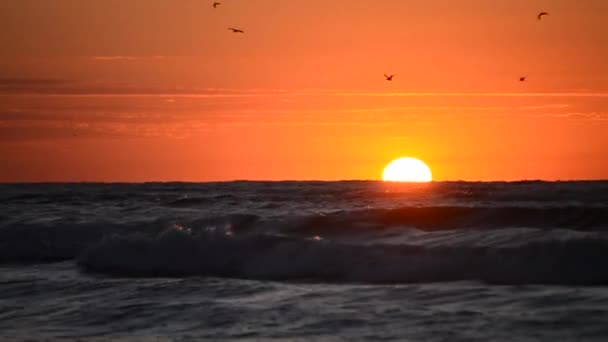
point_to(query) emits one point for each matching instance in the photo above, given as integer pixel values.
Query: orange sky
(144, 90)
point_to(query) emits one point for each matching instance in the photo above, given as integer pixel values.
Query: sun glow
(407, 170)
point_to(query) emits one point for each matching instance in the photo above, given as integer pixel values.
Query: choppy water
(310, 260)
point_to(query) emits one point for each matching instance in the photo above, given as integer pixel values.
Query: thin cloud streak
(59, 87)
(593, 116)
(126, 58)
(476, 94)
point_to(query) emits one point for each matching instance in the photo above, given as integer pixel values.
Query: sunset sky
(160, 90)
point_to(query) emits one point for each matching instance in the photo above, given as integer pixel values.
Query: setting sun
(407, 170)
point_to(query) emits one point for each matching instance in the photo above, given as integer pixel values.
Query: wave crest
(179, 253)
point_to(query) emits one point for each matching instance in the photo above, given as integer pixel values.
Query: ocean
(352, 260)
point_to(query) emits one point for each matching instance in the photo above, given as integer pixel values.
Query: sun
(407, 170)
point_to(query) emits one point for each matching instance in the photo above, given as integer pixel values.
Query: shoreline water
(304, 260)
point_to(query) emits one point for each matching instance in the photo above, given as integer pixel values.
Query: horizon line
(210, 93)
(309, 181)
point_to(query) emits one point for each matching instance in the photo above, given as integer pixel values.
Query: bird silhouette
(389, 77)
(522, 78)
(234, 30)
(215, 4)
(541, 14)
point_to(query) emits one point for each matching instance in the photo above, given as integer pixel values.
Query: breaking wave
(65, 240)
(175, 252)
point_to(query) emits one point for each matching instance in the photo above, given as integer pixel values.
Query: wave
(64, 239)
(581, 192)
(178, 252)
(60, 241)
(439, 218)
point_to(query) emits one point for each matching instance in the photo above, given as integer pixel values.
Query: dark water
(453, 261)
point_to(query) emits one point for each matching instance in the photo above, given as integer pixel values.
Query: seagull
(389, 77)
(215, 4)
(541, 14)
(522, 78)
(234, 30)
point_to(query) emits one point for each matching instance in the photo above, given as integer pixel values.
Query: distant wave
(437, 218)
(64, 240)
(193, 194)
(578, 261)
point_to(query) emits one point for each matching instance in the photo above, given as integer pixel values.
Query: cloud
(19, 131)
(126, 58)
(18, 85)
(318, 123)
(593, 116)
(471, 94)
(52, 86)
(17, 82)
(65, 87)
(60, 108)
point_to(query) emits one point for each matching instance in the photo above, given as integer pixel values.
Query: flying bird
(389, 77)
(234, 30)
(541, 14)
(215, 4)
(522, 78)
